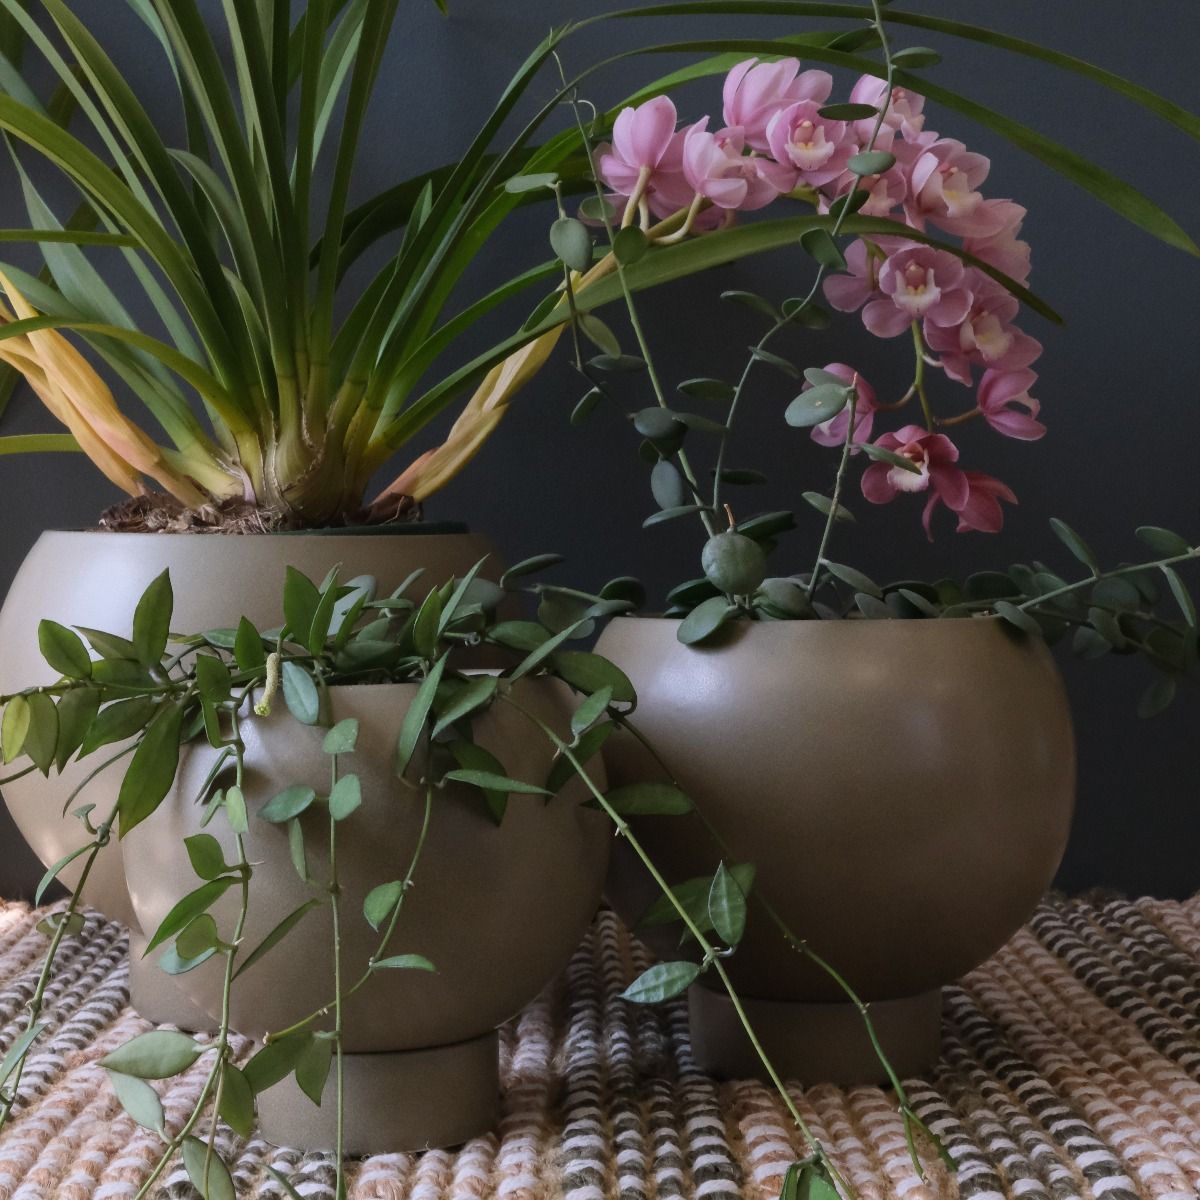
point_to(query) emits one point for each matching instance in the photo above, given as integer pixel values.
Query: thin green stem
(213, 1083)
(784, 321)
(919, 377)
(385, 940)
(635, 322)
(711, 953)
(1132, 569)
(338, 1049)
(37, 1000)
(838, 484)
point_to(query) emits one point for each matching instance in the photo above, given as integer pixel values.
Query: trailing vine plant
(163, 693)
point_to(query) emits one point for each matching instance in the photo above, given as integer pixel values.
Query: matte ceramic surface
(457, 1089)
(94, 579)
(905, 789)
(498, 910)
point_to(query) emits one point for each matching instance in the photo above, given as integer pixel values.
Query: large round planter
(904, 789)
(497, 909)
(94, 579)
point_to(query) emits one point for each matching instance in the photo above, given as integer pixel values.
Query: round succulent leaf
(668, 485)
(629, 245)
(571, 241)
(823, 249)
(519, 184)
(705, 620)
(657, 424)
(817, 404)
(733, 563)
(871, 162)
(916, 57)
(1163, 541)
(1157, 697)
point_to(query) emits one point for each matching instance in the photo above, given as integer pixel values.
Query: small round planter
(497, 909)
(94, 579)
(905, 790)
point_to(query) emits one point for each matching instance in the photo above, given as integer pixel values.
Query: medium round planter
(904, 789)
(95, 579)
(497, 910)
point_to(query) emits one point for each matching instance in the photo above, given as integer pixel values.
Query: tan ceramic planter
(95, 580)
(905, 789)
(498, 910)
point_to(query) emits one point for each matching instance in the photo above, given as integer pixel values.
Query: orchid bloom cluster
(776, 141)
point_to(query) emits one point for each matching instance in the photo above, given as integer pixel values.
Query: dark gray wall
(1118, 382)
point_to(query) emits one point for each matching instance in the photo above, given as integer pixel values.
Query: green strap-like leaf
(1120, 196)
(1187, 121)
(39, 443)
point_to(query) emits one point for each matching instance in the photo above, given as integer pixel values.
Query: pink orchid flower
(1001, 397)
(754, 92)
(918, 283)
(816, 148)
(944, 188)
(1003, 249)
(715, 167)
(642, 137)
(885, 193)
(904, 114)
(933, 454)
(981, 512)
(986, 337)
(833, 431)
(850, 291)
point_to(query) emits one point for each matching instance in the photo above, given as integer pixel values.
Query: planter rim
(416, 529)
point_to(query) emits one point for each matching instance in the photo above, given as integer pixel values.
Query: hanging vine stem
(635, 322)
(838, 483)
(8, 1096)
(712, 956)
(801, 946)
(390, 929)
(214, 1083)
(335, 909)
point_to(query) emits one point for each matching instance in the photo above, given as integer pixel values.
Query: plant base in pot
(904, 790)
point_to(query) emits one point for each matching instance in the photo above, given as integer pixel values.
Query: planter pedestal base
(407, 1101)
(815, 1043)
(157, 996)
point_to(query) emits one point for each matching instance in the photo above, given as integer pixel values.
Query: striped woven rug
(1071, 1070)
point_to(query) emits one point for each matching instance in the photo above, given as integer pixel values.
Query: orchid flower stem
(639, 333)
(784, 321)
(711, 953)
(919, 377)
(838, 484)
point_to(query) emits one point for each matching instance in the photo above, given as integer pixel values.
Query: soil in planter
(157, 512)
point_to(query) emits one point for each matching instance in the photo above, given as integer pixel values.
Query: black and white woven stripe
(1071, 1071)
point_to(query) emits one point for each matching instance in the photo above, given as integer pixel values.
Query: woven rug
(1071, 1069)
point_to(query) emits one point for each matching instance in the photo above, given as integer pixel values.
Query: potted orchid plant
(915, 733)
